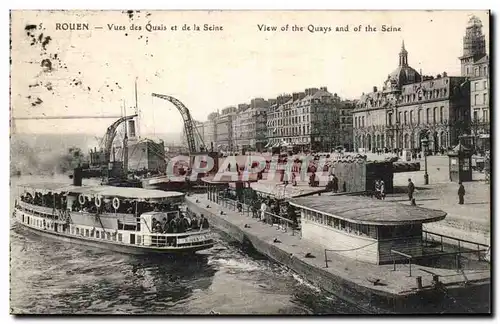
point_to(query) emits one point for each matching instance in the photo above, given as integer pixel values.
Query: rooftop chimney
(374, 89)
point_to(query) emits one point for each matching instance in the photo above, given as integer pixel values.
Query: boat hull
(113, 246)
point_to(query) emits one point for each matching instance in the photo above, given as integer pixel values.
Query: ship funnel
(77, 177)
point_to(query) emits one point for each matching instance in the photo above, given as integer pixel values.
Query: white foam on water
(303, 282)
(235, 264)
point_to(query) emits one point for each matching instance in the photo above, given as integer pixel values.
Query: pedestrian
(263, 208)
(461, 193)
(382, 189)
(411, 189)
(335, 183)
(377, 189)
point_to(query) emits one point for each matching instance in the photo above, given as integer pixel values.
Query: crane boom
(107, 141)
(194, 139)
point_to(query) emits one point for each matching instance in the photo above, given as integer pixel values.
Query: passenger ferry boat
(123, 219)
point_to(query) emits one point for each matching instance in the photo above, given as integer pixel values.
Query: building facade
(210, 130)
(250, 129)
(306, 120)
(346, 109)
(224, 129)
(475, 65)
(411, 106)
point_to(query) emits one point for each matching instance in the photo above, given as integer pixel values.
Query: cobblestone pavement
(469, 221)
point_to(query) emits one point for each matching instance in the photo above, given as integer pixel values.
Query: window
(120, 237)
(77, 231)
(411, 117)
(476, 99)
(400, 119)
(485, 115)
(406, 118)
(139, 239)
(485, 98)
(428, 115)
(485, 85)
(97, 234)
(87, 232)
(485, 70)
(476, 71)
(441, 114)
(476, 115)
(476, 85)
(419, 116)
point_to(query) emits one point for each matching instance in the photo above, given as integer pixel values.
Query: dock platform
(376, 287)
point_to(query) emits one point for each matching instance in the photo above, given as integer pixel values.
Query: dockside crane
(194, 139)
(195, 142)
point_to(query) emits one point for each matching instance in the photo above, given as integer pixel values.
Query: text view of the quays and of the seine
(250, 162)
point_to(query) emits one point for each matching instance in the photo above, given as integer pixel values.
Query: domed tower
(474, 45)
(404, 74)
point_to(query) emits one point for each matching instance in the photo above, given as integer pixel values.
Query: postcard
(250, 162)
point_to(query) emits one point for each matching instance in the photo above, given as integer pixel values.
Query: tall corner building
(475, 66)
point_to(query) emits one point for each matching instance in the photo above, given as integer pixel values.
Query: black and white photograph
(225, 162)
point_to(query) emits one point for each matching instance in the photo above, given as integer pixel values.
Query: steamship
(122, 219)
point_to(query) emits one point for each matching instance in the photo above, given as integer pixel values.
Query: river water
(48, 276)
(52, 277)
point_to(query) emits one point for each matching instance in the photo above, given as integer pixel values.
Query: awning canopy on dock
(368, 211)
(280, 191)
(231, 177)
(105, 191)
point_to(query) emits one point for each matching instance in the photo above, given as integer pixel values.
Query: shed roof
(230, 177)
(363, 210)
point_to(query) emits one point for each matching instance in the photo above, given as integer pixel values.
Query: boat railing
(194, 237)
(36, 209)
(282, 223)
(51, 212)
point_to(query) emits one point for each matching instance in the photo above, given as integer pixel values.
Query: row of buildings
(398, 115)
(314, 119)
(442, 108)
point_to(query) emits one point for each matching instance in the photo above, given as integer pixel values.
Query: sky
(93, 71)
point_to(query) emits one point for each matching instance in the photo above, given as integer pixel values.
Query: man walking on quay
(461, 193)
(411, 189)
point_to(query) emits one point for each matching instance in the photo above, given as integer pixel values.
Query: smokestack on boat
(77, 176)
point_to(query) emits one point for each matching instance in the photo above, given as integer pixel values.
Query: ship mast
(125, 145)
(138, 112)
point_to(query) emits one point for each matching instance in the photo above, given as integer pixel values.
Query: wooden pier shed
(363, 228)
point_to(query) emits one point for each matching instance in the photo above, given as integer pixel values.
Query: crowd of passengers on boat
(174, 221)
(178, 223)
(59, 201)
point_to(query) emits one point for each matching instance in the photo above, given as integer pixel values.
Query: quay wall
(363, 297)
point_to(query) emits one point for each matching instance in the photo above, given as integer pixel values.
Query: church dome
(405, 75)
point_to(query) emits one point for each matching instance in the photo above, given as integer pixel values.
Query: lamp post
(425, 145)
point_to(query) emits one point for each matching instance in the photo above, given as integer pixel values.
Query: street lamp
(425, 145)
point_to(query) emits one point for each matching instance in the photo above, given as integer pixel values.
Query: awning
(105, 191)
